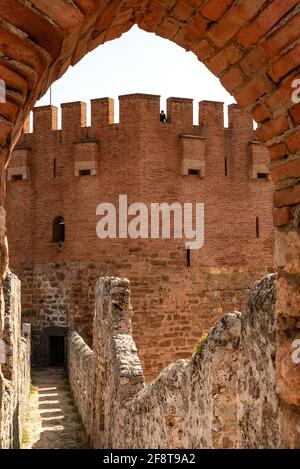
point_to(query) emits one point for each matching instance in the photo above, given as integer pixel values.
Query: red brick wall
(142, 158)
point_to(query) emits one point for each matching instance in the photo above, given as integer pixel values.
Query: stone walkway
(52, 421)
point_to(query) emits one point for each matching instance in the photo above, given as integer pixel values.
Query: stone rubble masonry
(15, 375)
(258, 405)
(80, 370)
(167, 321)
(216, 399)
(142, 158)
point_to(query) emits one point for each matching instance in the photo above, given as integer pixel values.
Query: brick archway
(252, 46)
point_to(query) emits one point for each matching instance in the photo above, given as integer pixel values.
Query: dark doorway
(56, 350)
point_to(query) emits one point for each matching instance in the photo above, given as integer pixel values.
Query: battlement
(45, 119)
(138, 109)
(139, 133)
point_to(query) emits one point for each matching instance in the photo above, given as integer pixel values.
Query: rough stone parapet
(209, 401)
(259, 413)
(81, 372)
(15, 375)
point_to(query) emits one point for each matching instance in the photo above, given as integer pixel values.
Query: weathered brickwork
(202, 402)
(15, 376)
(252, 46)
(173, 303)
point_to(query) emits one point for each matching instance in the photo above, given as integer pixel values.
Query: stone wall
(203, 402)
(81, 378)
(167, 320)
(15, 378)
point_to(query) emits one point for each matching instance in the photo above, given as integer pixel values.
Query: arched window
(58, 230)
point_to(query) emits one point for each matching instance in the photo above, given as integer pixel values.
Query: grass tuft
(200, 344)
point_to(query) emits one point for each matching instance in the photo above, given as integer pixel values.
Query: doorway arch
(251, 46)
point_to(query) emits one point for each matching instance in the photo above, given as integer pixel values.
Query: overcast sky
(138, 62)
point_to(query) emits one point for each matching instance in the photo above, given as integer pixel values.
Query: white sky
(138, 62)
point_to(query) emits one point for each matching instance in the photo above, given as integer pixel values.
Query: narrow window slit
(59, 230)
(17, 177)
(188, 257)
(262, 176)
(194, 172)
(84, 172)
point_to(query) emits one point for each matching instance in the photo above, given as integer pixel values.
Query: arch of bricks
(252, 46)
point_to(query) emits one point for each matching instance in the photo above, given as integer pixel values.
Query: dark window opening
(59, 230)
(85, 172)
(194, 172)
(262, 176)
(54, 168)
(225, 166)
(257, 227)
(17, 177)
(188, 257)
(56, 351)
